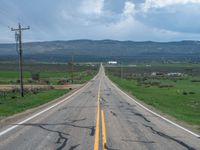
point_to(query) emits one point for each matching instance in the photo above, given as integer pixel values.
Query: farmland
(176, 94)
(40, 82)
(47, 73)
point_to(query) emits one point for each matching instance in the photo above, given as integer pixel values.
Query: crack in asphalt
(108, 148)
(137, 114)
(140, 141)
(61, 135)
(74, 147)
(114, 114)
(92, 131)
(74, 107)
(76, 120)
(91, 128)
(62, 139)
(169, 137)
(103, 99)
(87, 92)
(121, 102)
(140, 115)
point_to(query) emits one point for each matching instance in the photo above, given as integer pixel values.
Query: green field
(176, 96)
(12, 103)
(48, 73)
(11, 77)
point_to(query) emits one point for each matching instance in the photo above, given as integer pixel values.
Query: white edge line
(43, 111)
(196, 135)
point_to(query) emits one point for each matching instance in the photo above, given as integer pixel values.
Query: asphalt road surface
(98, 116)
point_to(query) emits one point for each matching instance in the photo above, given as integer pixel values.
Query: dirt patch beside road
(11, 87)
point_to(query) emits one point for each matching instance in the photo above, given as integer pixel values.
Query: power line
(18, 38)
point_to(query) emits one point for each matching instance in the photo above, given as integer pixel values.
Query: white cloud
(163, 3)
(162, 20)
(129, 8)
(169, 14)
(92, 6)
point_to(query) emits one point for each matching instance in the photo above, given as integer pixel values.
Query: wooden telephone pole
(121, 70)
(18, 38)
(72, 67)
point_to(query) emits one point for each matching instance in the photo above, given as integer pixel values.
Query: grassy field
(176, 96)
(48, 73)
(12, 103)
(46, 77)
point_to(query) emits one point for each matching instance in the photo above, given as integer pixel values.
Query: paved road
(98, 116)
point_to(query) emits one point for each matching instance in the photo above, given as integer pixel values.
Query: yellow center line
(100, 114)
(103, 130)
(96, 140)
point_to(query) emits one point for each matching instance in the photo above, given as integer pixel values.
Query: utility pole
(72, 67)
(121, 70)
(18, 38)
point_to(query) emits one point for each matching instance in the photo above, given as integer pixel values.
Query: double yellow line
(96, 140)
(103, 131)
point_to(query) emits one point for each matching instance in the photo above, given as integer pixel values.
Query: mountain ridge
(102, 50)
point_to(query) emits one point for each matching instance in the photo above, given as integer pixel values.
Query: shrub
(195, 80)
(47, 82)
(18, 81)
(62, 82)
(166, 86)
(191, 92)
(14, 90)
(35, 76)
(30, 81)
(13, 97)
(185, 93)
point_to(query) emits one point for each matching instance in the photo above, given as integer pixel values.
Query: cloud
(163, 3)
(92, 6)
(172, 15)
(129, 8)
(159, 20)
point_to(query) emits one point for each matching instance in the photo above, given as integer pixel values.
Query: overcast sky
(137, 20)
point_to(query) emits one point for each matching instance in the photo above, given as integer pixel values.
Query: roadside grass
(12, 103)
(49, 74)
(181, 100)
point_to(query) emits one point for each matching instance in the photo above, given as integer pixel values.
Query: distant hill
(103, 50)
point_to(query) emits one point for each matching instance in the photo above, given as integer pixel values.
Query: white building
(112, 62)
(175, 74)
